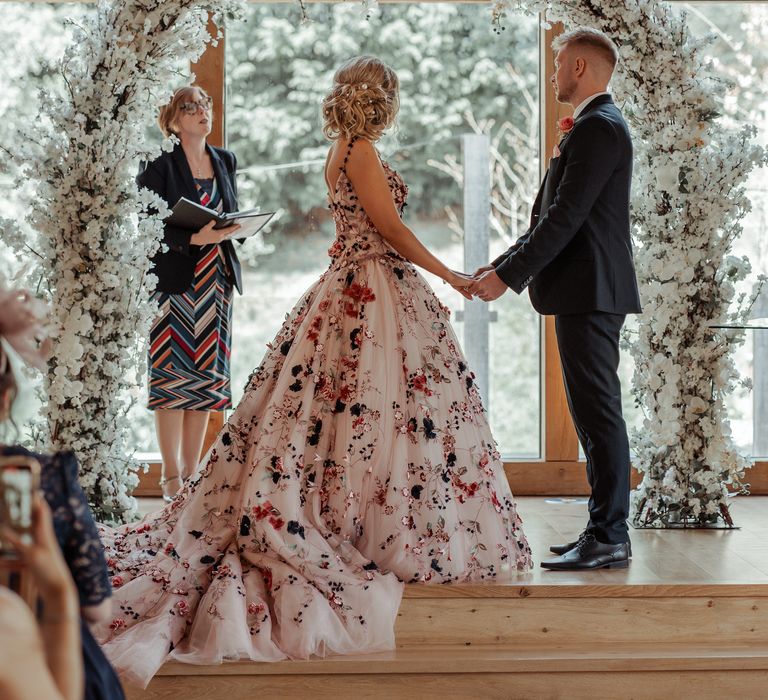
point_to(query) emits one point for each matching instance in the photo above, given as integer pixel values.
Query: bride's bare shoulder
(362, 152)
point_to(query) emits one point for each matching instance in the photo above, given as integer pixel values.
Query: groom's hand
(481, 270)
(488, 286)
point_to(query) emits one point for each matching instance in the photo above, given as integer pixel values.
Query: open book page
(250, 225)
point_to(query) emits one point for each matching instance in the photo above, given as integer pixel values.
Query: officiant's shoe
(591, 554)
(563, 548)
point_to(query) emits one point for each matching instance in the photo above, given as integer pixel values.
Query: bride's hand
(460, 281)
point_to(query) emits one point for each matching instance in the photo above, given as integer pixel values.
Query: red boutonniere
(565, 126)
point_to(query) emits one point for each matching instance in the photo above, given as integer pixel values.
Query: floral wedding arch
(94, 252)
(688, 200)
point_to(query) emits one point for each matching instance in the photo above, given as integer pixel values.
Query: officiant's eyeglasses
(192, 107)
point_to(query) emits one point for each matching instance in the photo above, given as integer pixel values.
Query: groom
(577, 259)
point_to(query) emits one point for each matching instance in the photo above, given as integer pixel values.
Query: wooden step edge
(587, 590)
(495, 659)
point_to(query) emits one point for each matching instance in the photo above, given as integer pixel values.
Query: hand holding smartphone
(19, 482)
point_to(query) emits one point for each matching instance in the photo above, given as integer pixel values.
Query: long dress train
(360, 457)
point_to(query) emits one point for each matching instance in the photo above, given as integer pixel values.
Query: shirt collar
(577, 112)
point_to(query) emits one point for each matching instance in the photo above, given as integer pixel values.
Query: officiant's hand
(488, 286)
(459, 281)
(208, 235)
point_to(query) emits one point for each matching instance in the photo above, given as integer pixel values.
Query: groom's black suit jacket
(577, 254)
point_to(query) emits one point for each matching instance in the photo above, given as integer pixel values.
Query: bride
(359, 458)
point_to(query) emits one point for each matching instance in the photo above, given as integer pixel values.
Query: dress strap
(352, 141)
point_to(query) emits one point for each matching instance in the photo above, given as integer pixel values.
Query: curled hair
(593, 38)
(363, 101)
(169, 112)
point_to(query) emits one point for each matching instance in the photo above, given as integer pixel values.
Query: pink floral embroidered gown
(359, 457)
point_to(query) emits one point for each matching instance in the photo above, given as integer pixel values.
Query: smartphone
(19, 481)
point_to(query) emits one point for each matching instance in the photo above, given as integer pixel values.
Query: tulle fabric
(359, 458)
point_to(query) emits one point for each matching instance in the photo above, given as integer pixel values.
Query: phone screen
(18, 483)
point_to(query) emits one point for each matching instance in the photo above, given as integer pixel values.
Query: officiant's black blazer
(171, 178)
(577, 254)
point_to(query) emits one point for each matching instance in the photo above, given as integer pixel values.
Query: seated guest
(190, 339)
(73, 524)
(41, 661)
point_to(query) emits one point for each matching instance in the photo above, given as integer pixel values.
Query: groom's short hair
(592, 38)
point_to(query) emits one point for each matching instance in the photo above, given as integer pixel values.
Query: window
(32, 38)
(458, 78)
(740, 55)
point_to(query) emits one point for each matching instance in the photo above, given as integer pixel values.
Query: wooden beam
(553, 478)
(561, 443)
(210, 74)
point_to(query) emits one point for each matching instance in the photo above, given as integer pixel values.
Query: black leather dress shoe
(563, 548)
(591, 554)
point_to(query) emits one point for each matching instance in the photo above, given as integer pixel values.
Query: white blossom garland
(688, 199)
(93, 250)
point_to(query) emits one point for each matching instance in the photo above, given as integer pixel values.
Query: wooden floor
(660, 556)
(689, 618)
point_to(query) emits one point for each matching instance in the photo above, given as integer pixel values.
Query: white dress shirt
(585, 104)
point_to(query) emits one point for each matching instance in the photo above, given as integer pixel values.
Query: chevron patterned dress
(190, 339)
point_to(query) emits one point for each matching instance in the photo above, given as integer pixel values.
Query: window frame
(558, 471)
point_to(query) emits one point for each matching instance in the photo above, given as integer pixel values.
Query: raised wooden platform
(689, 618)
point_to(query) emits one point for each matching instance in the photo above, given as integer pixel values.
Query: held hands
(209, 235)
(460, 282)
(481, 270)
(487, 285)
(484, 283)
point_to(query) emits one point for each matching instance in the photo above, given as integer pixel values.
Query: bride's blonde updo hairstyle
(363, 101)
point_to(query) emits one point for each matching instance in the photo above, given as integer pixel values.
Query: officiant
(189, 373)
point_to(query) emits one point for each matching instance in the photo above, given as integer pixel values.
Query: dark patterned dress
(190, 341)
(79, 541)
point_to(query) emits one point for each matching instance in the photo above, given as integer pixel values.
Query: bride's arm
(366, 173)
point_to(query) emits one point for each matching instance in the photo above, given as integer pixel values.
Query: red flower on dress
(314, 329)
(420, 384)
(336, 249)
(255, 608)
(261, 512)
(359, 293)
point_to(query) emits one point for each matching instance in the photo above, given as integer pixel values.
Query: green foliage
(450, 63)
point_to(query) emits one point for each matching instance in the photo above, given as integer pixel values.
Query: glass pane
(457, 77)
(739, 54)
(33, 36)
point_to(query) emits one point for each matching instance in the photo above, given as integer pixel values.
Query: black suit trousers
(589, 354)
